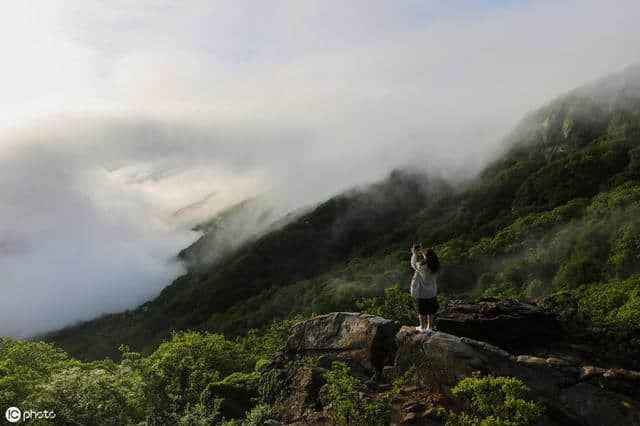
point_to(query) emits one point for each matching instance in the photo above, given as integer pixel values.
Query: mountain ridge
(563, 156)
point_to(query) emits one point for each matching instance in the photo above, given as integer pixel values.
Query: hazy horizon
(115, 115)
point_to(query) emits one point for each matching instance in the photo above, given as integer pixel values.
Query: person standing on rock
(424, 286)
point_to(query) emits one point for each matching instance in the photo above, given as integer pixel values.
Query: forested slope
(555, 218)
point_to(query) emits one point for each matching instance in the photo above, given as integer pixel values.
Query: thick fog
(116, 115)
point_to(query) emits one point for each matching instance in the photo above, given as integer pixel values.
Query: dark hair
(432, 260)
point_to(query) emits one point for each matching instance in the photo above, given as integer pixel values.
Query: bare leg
(423, 321)
(430, 322)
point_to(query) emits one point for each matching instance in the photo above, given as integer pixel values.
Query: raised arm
(414, 262)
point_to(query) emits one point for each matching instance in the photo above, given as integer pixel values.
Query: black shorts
(428, 306)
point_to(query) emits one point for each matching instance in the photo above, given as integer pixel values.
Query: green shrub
(625, 254)
(580, 269)
(346, 407)
(181, 370)
(197, 415)
(235, 393)
(262, 344)
(397, 305)
(195, 378)
(494, 401)
(614, 304)
(535, 290)
(24, 366)
(258, 415)
(92, 397)
(272, 386)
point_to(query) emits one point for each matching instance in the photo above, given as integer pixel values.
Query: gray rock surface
(585, 395)
(365, 340)
(572, 392)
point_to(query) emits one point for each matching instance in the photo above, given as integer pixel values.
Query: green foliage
(272, 387)
(258, 415)
(625, 254)
(622, 197)
(182, 371)
(401, 381)
(494, 401)
(193, 379)
(580, 269)
(515, 236)
(534, 290)
(236, 393)
(347, 407)
(91, 397)
(261, 344)
(397, 305)
(196, 415)
(24, 365)
(616, 304)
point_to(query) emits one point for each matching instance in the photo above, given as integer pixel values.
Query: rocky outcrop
(573, 394)
(508, 324)
(365, 341)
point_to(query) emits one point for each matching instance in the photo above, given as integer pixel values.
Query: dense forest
(554, 220)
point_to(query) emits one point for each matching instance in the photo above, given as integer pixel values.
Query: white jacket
(423, 283)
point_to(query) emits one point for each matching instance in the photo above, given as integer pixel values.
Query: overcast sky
(115, 114)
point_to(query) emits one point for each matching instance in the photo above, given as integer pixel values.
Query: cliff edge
(378, 350)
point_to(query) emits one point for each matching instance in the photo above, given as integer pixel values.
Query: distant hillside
(556, 217)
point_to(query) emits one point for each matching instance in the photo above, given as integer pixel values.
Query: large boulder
(573, 394)
(509, 324)
(366, 341)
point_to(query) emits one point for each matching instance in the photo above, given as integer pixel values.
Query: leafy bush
(516, 236)
(95, 396)
(272, 386)
(397, 305)
(258, 415)
(262, 344)
(580, 269)
(494, 401)
(195, 378)
(24, 366)
(181, 371)
(535, 290)
(197, 415)
(347, 407)
(625, 254)
(615, 304)
(235, 393)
